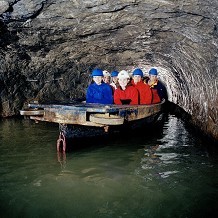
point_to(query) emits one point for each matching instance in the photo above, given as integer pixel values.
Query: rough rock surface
(48, 48)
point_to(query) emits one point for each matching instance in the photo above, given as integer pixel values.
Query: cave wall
(48, 48)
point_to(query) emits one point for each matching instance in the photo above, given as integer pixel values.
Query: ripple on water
(163, 175)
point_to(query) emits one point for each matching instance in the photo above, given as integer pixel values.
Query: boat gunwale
(91, 107)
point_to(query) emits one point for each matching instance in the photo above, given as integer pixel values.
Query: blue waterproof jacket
(101, 94)
(161, 90)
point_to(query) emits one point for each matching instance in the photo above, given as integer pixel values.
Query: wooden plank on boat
(41, 118)
(106, 119)
(95, 108)
(58, 115)
(32, 112)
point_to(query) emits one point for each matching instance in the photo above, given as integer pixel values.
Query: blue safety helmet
(97, 72)
(137, 71)
(153, 71)
(114, 73)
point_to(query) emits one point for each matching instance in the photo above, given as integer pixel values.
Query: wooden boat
(79, 119)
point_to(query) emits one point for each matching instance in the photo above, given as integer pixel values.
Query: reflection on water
(167, 173)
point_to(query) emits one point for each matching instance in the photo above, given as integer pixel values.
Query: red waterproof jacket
(155, 94)
(130, 93)
(145, 93)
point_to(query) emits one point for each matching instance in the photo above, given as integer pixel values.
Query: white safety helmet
(123, 75)
(106, 73)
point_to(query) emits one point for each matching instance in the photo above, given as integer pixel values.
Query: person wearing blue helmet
(157, 88)
(114, 82)
(145, 94)
(98, 91)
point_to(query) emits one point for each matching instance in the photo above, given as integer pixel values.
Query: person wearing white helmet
(107, 77)
(125, 93)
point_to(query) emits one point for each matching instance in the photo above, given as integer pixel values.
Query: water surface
(166, 173)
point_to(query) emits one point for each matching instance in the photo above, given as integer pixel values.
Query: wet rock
(48, 48)
(4, 5)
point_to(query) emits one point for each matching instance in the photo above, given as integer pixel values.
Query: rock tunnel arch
(48, 49)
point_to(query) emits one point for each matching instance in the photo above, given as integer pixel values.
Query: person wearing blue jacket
(98, 91)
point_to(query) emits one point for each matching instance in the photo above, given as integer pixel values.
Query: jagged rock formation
(47, 49)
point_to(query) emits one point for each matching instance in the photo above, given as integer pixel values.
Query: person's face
(137, 78)
(153, 78)
(106, 79)
(123, 82)
(97, 79)
(115, 79)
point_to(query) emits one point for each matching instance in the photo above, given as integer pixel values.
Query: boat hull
(77, 131)
(79, 120)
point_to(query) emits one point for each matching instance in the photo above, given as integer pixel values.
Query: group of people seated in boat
(119, 88)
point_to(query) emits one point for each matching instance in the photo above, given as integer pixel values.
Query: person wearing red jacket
(145, 93)
(125, 93)
(158, 89)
